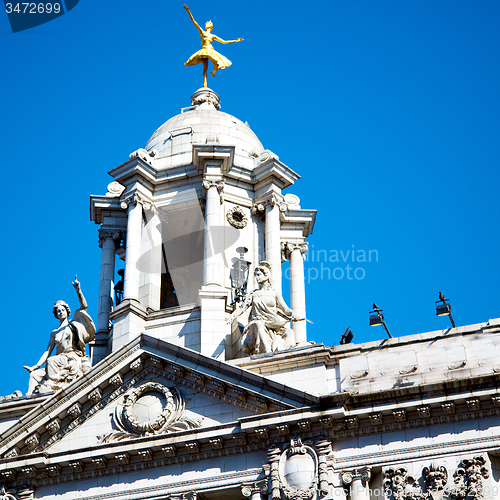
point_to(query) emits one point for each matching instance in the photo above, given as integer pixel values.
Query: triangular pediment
(123, 401)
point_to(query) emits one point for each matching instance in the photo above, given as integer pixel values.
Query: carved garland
(149, 426)
(237, 217)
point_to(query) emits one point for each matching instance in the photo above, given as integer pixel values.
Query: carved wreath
(237, 217)
(150, 426)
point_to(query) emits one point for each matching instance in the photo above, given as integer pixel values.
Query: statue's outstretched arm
(282, 305)
(45, 355)
(227, 41)
(192, 18)
(81, 298)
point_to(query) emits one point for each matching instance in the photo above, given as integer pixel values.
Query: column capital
(116, 234)
(364, 474)
(251, 488)
(287, 247)
(219, 185)
(135, 199)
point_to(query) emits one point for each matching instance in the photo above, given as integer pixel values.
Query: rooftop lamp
(443, 308)
(347, 336)
(377, 318)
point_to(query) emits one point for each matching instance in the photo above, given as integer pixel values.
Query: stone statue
(265, 331)
(69, 339)
(207, 52)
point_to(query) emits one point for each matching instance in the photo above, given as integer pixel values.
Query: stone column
(296, 252)
(358, 481)
(214, 244)
(133, 248)
(107, 241)
(273, 239)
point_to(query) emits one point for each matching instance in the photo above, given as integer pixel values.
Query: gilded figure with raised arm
(69, 339)
(207, 52)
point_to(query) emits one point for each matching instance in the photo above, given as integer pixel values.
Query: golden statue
(207, 51)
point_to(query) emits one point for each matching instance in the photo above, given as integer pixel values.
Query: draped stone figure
(265, 330)
(69, 339)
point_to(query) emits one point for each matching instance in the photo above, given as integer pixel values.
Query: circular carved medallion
(149, 408)
(237, 217)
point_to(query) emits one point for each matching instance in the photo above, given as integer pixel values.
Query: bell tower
(177, 214)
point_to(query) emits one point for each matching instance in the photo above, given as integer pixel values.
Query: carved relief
(237, 217)
(399, 485)
(296, 470)
(468, 479)
(150, 409)
(435, 479)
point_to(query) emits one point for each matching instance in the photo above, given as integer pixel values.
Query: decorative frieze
(169, 450)
(53, 427)
(473, 404)
(136, 365)
(193, 447)
(304, 425)
(352, 422)
(32, 441)
(326, 422)
(376, 419)
(424, 411)
(448, 408)
(216, 443)
(123, 458)
(29, 472)
(220, 386)
(95, 396)
(262, 433)
(146, 455)
(240, 393)
(76, 466)
(240, 439)
(261, 401)
(177, 369)
(75, 411)
(100, 463)
(198, 377)
(399, 415)
(116, 381)
(156, 362)
(54, 470)
(283, 429)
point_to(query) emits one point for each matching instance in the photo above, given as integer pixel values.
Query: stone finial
(207, 97)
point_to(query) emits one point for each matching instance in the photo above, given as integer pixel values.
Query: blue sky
(388, 110)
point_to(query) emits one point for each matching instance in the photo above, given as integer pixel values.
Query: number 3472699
(33, 8)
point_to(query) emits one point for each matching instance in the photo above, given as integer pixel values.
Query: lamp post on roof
(377, 318)
(443, 308)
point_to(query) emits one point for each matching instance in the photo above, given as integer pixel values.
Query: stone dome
(203, 123)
